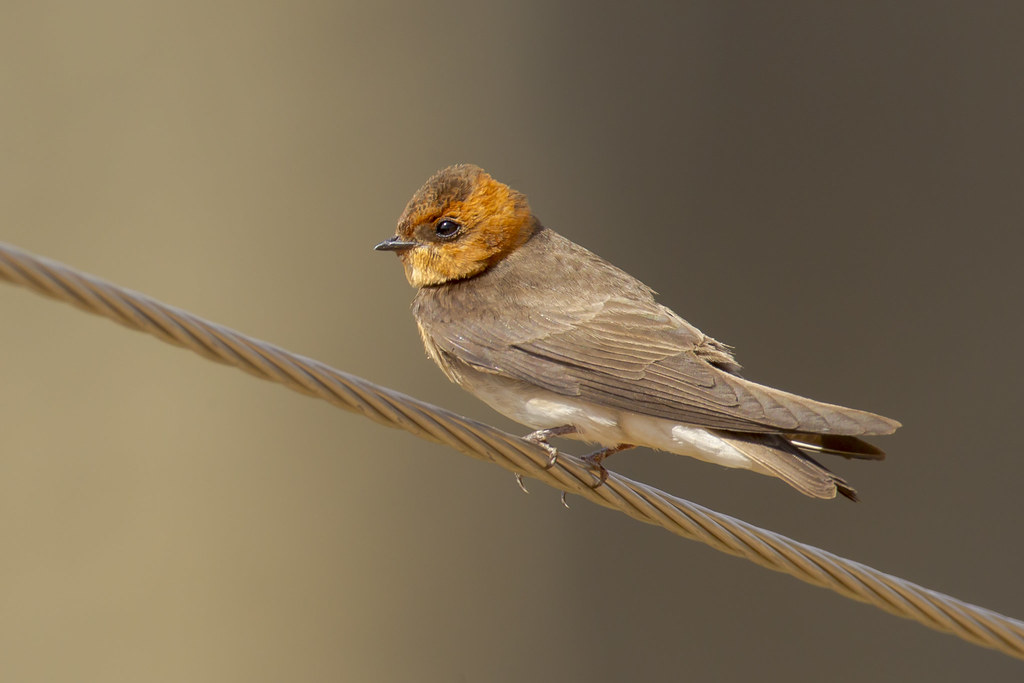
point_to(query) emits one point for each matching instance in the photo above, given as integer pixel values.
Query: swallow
(563, 342)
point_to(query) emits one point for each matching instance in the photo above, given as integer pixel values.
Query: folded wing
(640, 356)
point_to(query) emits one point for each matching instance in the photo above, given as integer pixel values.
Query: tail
(777, 456)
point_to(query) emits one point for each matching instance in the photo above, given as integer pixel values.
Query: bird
(563, 342)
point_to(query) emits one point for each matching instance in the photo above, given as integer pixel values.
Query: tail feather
(777, 456)
(837, 444)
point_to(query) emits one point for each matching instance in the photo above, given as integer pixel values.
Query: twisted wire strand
(475, 439)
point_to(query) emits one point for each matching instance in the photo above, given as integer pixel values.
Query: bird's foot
(595, 459)
(540, 438)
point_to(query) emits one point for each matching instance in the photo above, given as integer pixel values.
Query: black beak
(394, 244)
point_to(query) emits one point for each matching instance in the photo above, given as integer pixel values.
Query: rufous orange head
(460, 223)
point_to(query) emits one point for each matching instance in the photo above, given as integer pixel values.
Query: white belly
(541, 409)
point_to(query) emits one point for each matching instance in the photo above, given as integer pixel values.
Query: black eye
(446, 228)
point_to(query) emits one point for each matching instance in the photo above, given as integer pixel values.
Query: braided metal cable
(640, 501)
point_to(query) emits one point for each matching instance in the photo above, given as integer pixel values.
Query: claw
(595, 459)
(553, 460)
(602, 471)
(519, 480)
(552, 454)
(566, 505)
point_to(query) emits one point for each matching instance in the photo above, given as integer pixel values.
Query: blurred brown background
(835, 190)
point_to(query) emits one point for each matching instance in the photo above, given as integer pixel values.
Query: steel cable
(475, 439)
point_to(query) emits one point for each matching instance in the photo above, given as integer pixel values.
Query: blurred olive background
(835, 189)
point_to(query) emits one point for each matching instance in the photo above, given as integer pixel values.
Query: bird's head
(459, 224)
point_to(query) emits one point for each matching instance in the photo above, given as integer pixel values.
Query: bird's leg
(594, 460)
(541, 436)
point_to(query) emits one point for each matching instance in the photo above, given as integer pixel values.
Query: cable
(475, 439)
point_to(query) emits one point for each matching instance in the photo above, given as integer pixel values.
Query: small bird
(558, 339)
